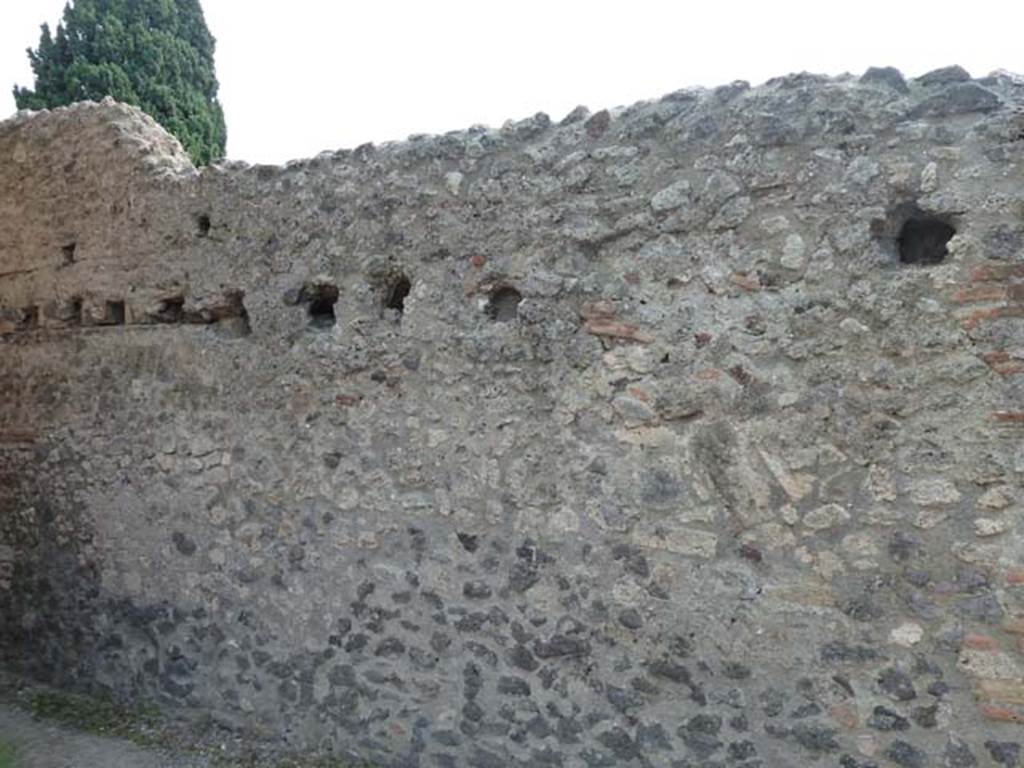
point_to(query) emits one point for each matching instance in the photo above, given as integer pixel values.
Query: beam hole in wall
(28, 319)
(68, 252)
(914, 236)
(924, 239)
(203, 224)
(115, 314)
(503, 305)
(75, 311)
(170, 310)
(396, 293)
(321, 301)
(233, 320)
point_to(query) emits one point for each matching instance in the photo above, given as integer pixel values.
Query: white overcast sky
(302, 76)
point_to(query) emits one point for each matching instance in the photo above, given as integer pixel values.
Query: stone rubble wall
(628, 440)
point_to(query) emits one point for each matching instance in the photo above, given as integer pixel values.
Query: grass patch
(6, 755)
(97, 715)
(143, 726)
(296, 762)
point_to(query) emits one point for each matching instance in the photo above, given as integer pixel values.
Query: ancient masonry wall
(686, 434)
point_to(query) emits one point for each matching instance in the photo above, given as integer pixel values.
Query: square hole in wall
(28, 318)
(503, 304)
(396, 292)
(320, 299)
(115, 313)
(914, 236)
(924, 239)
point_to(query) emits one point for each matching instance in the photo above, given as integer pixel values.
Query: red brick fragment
(990, 272)
(980, 293)
(599, 320)
(1008, 369)
(1002, 714)
(616, 330)
(640, 394)
(995, 313)
(994, 358)
(844, 715)
(746, 282)
(1003, 364)
(598, 310)
(979, 642)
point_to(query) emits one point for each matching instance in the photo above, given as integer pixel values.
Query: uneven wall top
(686, 434)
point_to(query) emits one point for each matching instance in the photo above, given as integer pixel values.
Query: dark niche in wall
(21, 319)
(322, 309)
(170, 310)
(320, 300)
(115, 313)
(914, 236)
(231, 316)
(503, 304)
(396, 292)
(227, 313)
(28, 319)
(203, 225)
(74, 311)
(924, 240)
(63, 313)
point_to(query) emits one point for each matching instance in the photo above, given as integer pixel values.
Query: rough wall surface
(671, 436)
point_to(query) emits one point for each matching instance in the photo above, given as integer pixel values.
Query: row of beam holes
(320, 299)
(169, 311)
(27, 318)
(922, 239)
(502, 305)
(231, 313)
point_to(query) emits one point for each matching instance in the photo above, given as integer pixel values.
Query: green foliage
(97, 715)
(143, 725)
(155, 54)
(293, 762)
(6, 755)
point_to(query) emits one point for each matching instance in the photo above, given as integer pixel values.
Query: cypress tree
(155, 54)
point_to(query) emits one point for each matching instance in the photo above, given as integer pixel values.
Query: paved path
(43, 744)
